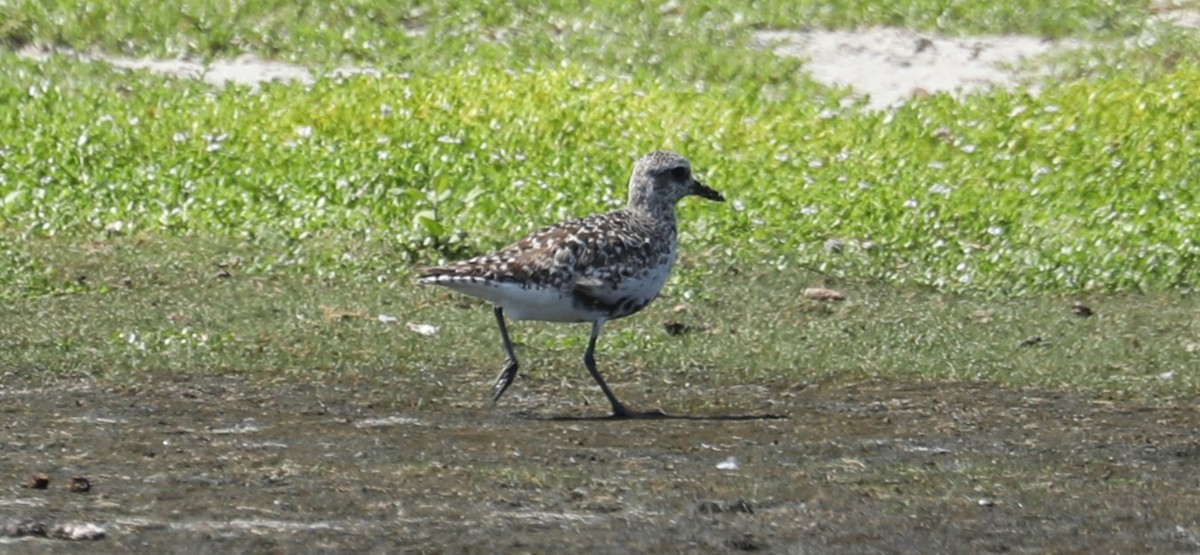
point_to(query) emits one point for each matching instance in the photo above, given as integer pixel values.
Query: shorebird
(594, 269)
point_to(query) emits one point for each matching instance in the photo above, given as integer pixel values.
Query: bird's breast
(628, 290)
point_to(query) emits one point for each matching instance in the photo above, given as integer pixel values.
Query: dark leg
(589, 360)
(509, 373)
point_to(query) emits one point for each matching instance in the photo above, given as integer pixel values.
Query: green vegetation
(141, 308)
(627, 35)
(1089, 185)
(488, 119)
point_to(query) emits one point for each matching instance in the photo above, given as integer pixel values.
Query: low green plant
(1086, 186)
(142, 309)
(688, 39)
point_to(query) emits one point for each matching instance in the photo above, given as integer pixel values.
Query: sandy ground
(889, 65)
(247, 69)
(886, 65)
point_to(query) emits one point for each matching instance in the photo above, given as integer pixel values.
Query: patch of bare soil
(246, 69)
(219, 466)
(891, 65)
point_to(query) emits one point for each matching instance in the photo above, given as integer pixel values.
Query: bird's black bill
(704, 191)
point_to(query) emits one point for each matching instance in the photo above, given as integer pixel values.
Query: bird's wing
(590, 256)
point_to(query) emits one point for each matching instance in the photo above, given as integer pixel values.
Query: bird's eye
(679, 174)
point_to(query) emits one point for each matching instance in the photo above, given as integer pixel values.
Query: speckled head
(661, 178)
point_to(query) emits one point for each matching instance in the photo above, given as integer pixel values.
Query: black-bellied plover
(594, 270)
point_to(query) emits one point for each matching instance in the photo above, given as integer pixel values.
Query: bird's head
(663, 178)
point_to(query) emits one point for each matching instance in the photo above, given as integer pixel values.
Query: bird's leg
(509, 373)
(589, 360)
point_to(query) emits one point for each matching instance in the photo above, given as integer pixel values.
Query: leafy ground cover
(521, 116)
(1081, 190)
(679, 37)
(144, 308)
(1086, 186)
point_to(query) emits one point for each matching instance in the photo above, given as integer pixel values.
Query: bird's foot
(505, 379)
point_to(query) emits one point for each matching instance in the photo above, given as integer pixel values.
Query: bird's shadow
(644, 418)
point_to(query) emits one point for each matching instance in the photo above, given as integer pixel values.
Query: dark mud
(220, 466)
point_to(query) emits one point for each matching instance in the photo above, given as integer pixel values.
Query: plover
(594, 269)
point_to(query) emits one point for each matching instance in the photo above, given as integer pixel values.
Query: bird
(594, 269)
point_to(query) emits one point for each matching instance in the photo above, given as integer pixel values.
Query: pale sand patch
(890, 65)
(886, 64)
(1184, 13)
(246, 69)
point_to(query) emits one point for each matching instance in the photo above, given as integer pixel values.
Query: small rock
(986, 502)
(38, 480)
(21, 528)
(709, 508)
(746, 542)
(76, 531)
(80, 484)
(740, 506)
(822, 294)
(423, 329)
(1082, 310)
(728, 464)
(602, 504)
(835, 245)
(1035, 340)
(332, 314)
(712, 507)
(676, 328)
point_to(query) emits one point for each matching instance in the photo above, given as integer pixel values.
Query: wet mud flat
(207, 465)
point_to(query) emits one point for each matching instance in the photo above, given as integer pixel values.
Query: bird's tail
(448, 275)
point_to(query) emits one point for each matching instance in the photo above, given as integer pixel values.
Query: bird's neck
(660, 213)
